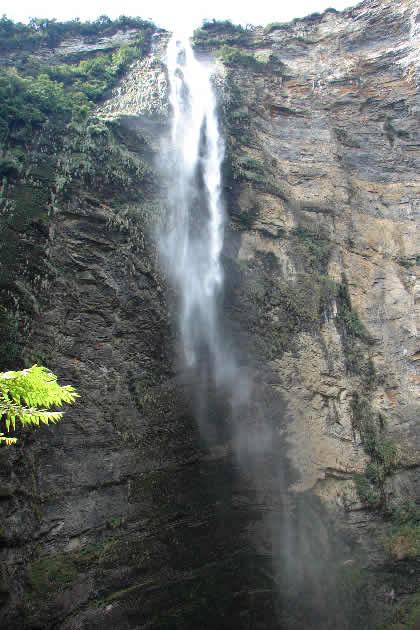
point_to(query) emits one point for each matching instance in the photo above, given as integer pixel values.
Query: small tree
(28, 395)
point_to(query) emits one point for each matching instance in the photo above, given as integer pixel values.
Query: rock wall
(336, 134)
(124, 515)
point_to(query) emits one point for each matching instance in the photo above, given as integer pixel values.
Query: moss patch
(51, 573)
(275, 310)
(371, 484)
(404, 544)
(405, 616)
(355, 337)
(315, 249)
(233, 57)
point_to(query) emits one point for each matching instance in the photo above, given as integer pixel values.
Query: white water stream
(192, 242)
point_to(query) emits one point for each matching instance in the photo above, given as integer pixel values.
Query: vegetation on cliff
(217, 33)
(41, 32)
(233, 45)
(368, 425)
(51, 138)
(32, 91)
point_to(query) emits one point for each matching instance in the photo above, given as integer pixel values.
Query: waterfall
(192, 241)
(227, 405)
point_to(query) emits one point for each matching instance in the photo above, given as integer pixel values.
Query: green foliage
(236, 121)
(10, 162)
(352, 584)
(371, 428)
(41, 31)
(366, 493)
(408, 513)
(136, 220)
(117, 523)
(56, 161)
(32, 92)
(403, 540)
(245, 168)
(8, 441)
(314, 17)
(49, 574)
(94, 152)
(355, 337)
(246, 163)
(28, 101)
(370, 484)
(316, 249)
(404, 616)
(222, 26)
(28, 395)
(348, 316)
(220, 32)
(275, 311)
(234, 57)
(404, 543)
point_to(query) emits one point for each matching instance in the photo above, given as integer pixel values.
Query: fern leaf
(28, 395)
(7, 440)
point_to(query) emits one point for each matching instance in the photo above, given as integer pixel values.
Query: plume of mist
(229, 404)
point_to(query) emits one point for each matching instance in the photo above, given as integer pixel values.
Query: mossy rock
(51, 573)
(312, 249)
(140, 553)
(54, 573)
(404, 544)
(30, 202)
(404, 616)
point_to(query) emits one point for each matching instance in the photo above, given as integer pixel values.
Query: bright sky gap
(172, 15)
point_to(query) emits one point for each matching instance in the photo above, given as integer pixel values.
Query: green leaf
(28, 395)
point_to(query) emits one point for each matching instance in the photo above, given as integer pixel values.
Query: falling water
(193, 239)
(250, 414)
(191, 246)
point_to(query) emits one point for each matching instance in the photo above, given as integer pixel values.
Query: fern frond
(27, 395)
(7, 440)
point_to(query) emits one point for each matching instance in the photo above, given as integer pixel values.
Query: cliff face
(124, 516)
(327, 177)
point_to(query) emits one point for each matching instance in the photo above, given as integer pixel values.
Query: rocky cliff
(301, 513)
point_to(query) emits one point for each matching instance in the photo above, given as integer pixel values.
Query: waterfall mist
(228, 404)
(192, 241)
